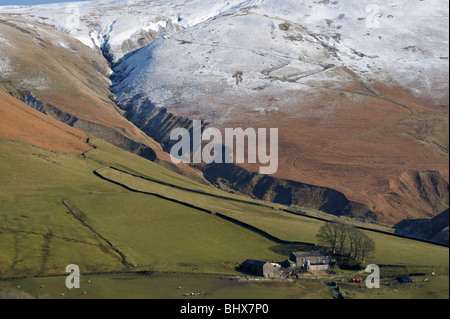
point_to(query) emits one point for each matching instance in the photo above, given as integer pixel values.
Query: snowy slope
(291, 47)
(122, 26)
(393, 40)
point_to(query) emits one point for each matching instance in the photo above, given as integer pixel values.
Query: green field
(423, 287)
(160, 235)
(165, 286)
(58, 209)
(176, 286)
(287, 226)
(389, 249)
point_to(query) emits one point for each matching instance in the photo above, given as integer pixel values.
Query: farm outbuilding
(288, 264)
(260, 268)
(404, 279)
(311, 260)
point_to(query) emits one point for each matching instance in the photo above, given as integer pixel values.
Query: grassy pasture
(290, 227)
(165, 286)
(157, 234)
(40, 235)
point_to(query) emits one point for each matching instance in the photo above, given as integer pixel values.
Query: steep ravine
(107, 133)
(286, 192)
(158, 123)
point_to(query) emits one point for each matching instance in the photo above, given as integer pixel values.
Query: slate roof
(254, 262)
(310, 253)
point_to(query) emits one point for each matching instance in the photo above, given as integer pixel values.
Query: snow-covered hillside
(293, 47)
(393, 40)
(119, 27)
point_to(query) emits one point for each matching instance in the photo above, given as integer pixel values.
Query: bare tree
(366, 246)
(354, 236)
(338, 237)
(343, 231)
(328, 236)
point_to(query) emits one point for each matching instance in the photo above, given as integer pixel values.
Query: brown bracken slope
(19, 122)
(387, 150)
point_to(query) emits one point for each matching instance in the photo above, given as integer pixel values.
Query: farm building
(404, 279)
(260, 268)
(288, 264)
(312, 260)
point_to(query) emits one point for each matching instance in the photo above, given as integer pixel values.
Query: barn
(259, 268)
(311, 260)
(404, 279)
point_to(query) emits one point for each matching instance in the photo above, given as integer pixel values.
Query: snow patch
(5, 41)
(5, 67)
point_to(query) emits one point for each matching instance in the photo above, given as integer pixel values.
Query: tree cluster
(344, 239)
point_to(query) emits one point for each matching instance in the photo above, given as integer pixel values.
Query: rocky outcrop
(285, 192)
(35, 103)
(423, 193)
(156, 122)
(433, 229)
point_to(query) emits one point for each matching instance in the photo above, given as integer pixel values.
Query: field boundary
(303, 214)
(218, 214)
(121, 257)
(192, 190)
